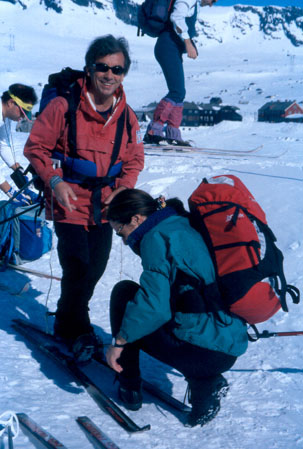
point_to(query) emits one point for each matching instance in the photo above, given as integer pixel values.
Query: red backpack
(248, 264)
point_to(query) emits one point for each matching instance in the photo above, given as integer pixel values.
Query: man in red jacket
(74, 201)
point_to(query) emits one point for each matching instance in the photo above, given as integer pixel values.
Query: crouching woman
(174, 315)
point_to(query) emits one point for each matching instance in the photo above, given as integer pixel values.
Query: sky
(298, 3)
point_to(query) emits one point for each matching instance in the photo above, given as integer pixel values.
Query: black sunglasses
(102, 67)
(119, 230)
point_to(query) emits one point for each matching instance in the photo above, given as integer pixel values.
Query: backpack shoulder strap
(118, 138)
(96, 199)
(128, 124)
(73, 100)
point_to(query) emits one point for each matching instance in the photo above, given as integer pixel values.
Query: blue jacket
(167, 243)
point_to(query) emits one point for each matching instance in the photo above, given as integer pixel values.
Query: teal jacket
(167, 243)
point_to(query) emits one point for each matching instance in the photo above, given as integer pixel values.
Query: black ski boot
(153, 139)
(132, 399)
(130, 392)
(86, 346)
(205, 396)
(182, 143)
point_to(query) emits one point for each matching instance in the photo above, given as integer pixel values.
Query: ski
(67, 362)
(147, 386)
(212, 153)
(198, 149)
(15, 291)
(95, 435)
(41, 274)
(156, 392)
(246, 156)
(36, 434)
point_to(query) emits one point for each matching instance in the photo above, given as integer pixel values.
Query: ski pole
(267, 334)
(9, 423)
(10, 438)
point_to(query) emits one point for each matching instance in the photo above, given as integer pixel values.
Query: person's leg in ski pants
(168, 52)
(83, 255)
(192, 361)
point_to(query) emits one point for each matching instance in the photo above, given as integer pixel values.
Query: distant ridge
(239, 21)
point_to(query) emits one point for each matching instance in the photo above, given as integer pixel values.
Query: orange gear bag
(248, 264)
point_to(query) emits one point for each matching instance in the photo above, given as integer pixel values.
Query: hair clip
(161, 202)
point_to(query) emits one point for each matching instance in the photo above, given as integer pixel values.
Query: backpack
(64, 84)
(153, 16)
(24, 236)
(248, 264)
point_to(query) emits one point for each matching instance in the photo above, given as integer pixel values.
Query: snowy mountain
(238, 22)
(270, 22)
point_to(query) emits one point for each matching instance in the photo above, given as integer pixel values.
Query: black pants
(192, 361)
(83, 255)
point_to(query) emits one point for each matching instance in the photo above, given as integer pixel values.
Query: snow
(264, 405)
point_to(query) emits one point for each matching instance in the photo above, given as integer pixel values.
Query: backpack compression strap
(285, 288)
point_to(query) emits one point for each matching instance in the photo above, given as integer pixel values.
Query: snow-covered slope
(264, 405)
(219, 23)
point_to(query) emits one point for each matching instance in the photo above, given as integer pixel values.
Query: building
(278, 111)
(230, 113)
(201, 114)
(213, 113)
(209, 114)
(142, 116)
(296, 118)
(191, 114)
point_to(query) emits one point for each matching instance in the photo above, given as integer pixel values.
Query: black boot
(130, 392)
(205, 395)
(86, 346)
(154, 139)
(182, 143)
(132, 399)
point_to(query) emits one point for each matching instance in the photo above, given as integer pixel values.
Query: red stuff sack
(248, 264)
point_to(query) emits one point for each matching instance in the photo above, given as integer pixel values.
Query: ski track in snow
(264, 405)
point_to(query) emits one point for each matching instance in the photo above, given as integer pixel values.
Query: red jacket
(95, 139)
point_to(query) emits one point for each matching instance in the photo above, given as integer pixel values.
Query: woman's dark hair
(26, 93)
(134, 201)
(107, 45)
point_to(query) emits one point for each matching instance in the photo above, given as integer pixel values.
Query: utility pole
(11, 42)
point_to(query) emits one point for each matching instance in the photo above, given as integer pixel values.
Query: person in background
(172, 43)
(171, 314)
(16, 103)
(75, 205)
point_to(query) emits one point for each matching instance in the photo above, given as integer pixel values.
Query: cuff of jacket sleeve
(184, 35)
(124, 335)
(54, 181)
